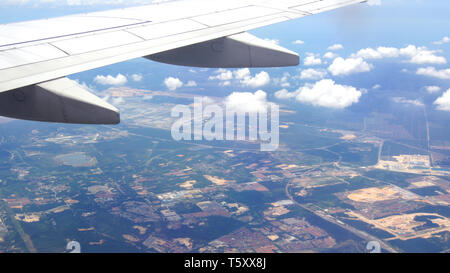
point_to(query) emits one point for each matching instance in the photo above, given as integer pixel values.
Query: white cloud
(243, 76)
(432, 89)
(247, 101)
(313, 74)
(225, 83)
(379, 53)
(241, 73)
(324, 93)
(223, 75)
(137, 77)
(433, 72)
(416, 55)
(376, 87)
(330, 55)
(283, 81)
(114, 100)
(341, 66)
(285, 94)
(389, 52)
(259, 80)
(367, 53)
(173, 83)
(403, 100)
(298, 42)
(111, 80)
(421, 55)
(443, 41)
(312, 59)
(191, 84)
(336, 47)
(443, 102)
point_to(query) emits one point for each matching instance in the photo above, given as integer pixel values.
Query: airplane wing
(36, 56)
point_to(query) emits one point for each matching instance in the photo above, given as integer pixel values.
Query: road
(25, 237)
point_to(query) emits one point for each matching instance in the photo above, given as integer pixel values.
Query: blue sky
(399, 46)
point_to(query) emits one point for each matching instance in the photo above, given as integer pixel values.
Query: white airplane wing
(36, 56)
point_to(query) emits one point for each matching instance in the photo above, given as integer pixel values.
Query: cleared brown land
(371, 195)
(404, 227)
(216, 180)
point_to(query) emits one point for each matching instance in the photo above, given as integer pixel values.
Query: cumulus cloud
(341, 66)
(247, 101)
(327, 93)
(378, 53)
(241, 73)
(222, 75)
(111, 80)
(243, 76)
(421, 55)
(416, 55)
(283, 81)
(191, 84)
(114, 100)
(376, 87)
(442, 41)
(298, 42)
(443, 102)
(173, 83)
(433, 72)
(336, 47)
(324, 93)
(137, 77)
(285, 94)
(312, 59)
(432, 89)
(330, 55)
(258, 80)
(313, 74)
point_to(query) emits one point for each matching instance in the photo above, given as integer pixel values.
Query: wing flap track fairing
(61, 100)
(236, 51)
